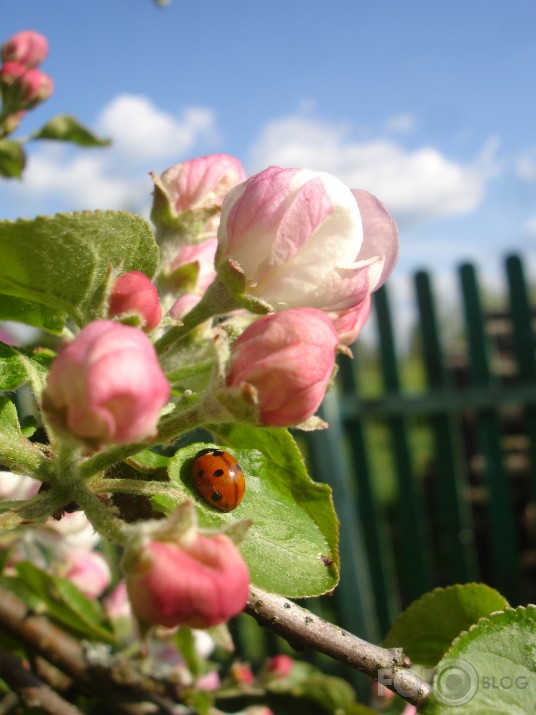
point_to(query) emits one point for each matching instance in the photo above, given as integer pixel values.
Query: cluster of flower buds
(287, 260)
(22, 83)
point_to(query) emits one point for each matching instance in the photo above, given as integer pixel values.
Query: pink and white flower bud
(199, 257)
(26, 87)
(16, 486)
(202, 182)
(11, 72)
(34, 87)
(349, 323)
(184, 305)
(208, 682)
(133, 293)
(280, 666)
(241, 673)
(200, 582)
(116, 604)
(29, 48)
(106, 386)
(89, 572)
(297, 235)
(288, 358)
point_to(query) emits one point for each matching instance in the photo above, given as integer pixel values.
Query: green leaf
(490, 669)
(66, 604)
(12, 159)
(426, 629)
(18, 367)
(64, 261)
(291, 548)
(185, 642)
(31, 313)
(332, 694)
(68, 129)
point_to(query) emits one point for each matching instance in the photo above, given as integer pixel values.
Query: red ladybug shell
(219, 479)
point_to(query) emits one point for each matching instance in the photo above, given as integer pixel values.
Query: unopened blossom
(280, 666)
(88, 570)
(25, 88)
(297, 236)
(106, 386)
(288, 358)
(184, 305)
(17, 486)
(28, 48)
(200, 582)
(349, 323)
(202, 182)
(197, 259)
(189, 195)
(133, 293)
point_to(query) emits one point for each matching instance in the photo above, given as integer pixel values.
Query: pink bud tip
(106, 386)
(134, 293)
(200, 583)
(288, 357)
(29, 48)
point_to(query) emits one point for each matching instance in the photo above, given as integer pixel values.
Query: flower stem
(217, 300)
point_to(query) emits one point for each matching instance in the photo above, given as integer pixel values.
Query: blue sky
(430, 105)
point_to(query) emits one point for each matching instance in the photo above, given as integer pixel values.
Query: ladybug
(219, 479)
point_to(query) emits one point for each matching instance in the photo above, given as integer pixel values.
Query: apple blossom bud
(106, 386)
(184, 305)
(17, 486)
(380, 234)
(11, 72)
(203, 181)
(349, 323)
(197, 259)
(241, 673)
(200, 582)
(197, 186)
(280, 666)
(29, 48)
(35, 87)
(89, 572)
(288, 358)
(133, 293)
(297, 236)
(208, 682)
(25, 87)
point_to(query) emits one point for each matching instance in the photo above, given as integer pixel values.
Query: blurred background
(428, 105)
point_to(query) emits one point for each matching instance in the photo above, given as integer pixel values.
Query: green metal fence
(460, 455)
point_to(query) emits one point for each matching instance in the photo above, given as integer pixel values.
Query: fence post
(524, 348)
(456, 538)
(501, 522)
(373, 521)
(411, 510)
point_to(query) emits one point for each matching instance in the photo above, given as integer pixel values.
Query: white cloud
(139, 129)
(401, 123)
(415, 184)
(529, 229)
(526, 167)
(59, 177)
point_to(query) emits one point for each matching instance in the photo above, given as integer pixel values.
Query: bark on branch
(303, 630)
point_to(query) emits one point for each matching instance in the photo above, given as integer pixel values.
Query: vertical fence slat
(354, 595)
(501, 522)
(456, 544)
(524, 348)
(411, 509)
(373, 521)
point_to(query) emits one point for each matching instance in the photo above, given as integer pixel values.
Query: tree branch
(32, 691)
(117, 681)
(303, 630)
